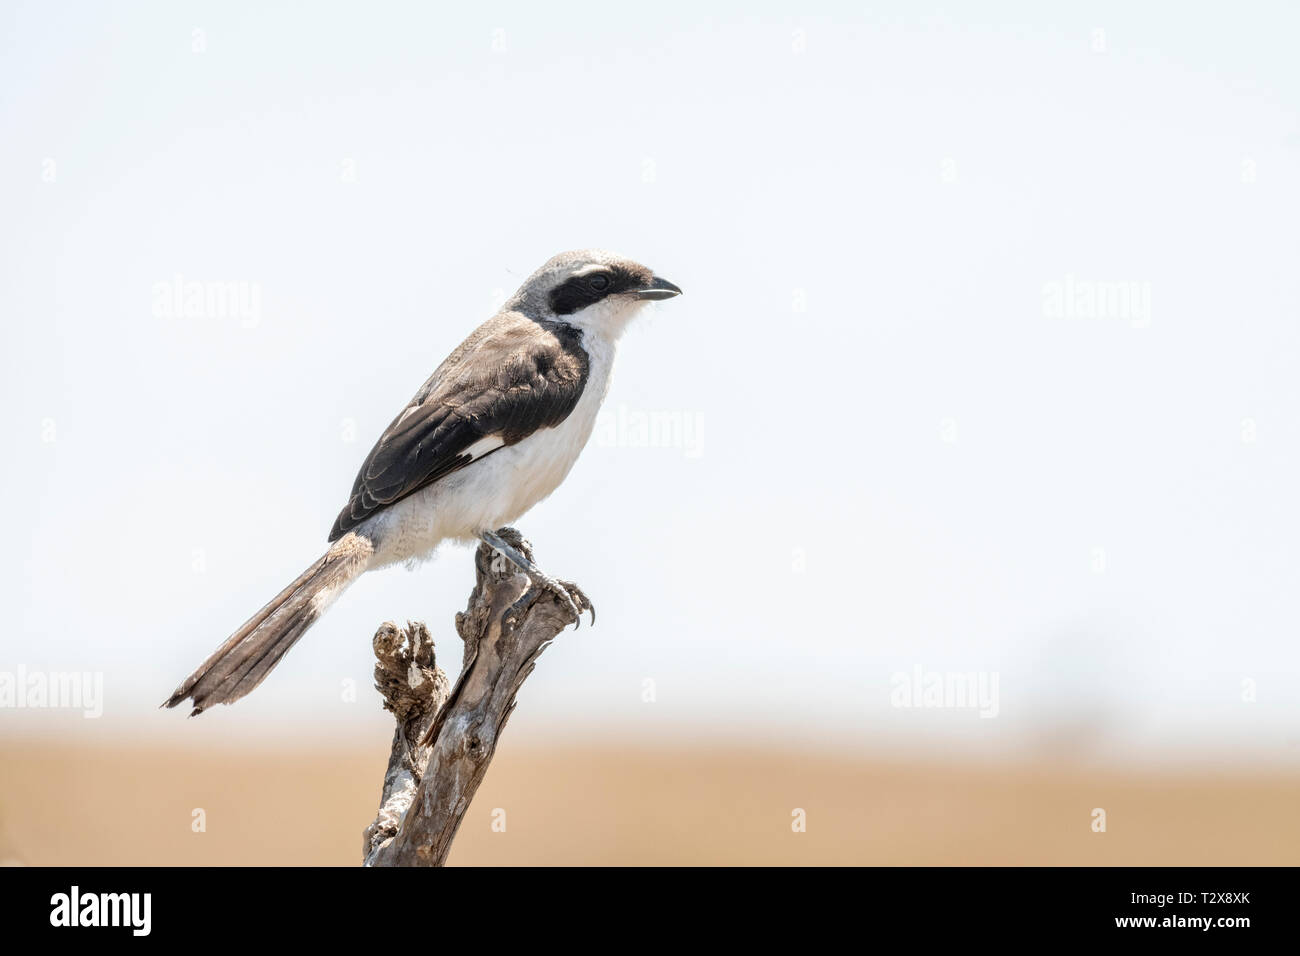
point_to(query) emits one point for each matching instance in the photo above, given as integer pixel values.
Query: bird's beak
(659, 289)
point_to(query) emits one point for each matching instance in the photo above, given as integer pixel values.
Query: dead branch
(444, 740)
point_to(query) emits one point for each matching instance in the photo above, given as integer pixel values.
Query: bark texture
(445, 739)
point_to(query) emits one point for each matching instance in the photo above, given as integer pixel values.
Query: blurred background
(949, 516)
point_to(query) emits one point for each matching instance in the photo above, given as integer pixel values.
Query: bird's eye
(599, 282)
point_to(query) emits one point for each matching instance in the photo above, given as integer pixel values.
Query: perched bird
(493, 431)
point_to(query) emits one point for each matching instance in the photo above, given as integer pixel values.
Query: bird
(494, 430)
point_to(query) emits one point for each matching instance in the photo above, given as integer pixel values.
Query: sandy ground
(77, 805)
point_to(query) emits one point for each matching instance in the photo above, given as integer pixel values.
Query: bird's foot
(568, 593)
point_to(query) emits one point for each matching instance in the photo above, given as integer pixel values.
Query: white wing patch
(486, 444)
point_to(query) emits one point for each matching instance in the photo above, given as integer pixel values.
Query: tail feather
(247, 656)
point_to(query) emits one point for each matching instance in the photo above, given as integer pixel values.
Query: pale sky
(898, 448)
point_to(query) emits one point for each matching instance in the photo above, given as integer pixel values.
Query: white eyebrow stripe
(587, 270)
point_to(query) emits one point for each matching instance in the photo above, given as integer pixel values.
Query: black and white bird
(493, 431)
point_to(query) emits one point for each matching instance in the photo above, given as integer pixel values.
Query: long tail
(248, 655)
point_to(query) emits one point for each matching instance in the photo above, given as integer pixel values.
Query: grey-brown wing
(510, 378)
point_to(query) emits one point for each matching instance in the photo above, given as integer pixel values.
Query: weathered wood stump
(445, 739)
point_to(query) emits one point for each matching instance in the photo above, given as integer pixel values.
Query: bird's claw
(576, 600)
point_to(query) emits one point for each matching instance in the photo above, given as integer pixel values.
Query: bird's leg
(569, 593)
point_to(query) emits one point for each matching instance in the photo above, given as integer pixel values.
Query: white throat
(606, 320)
